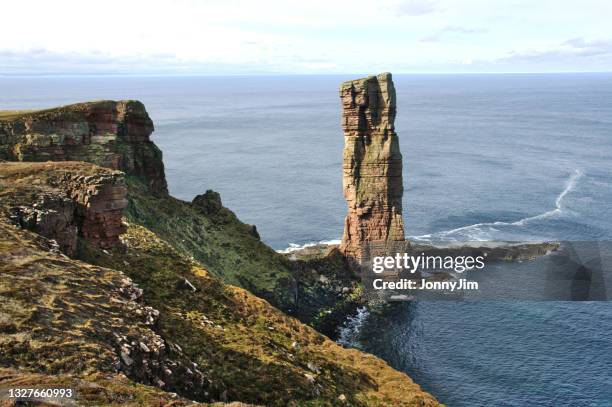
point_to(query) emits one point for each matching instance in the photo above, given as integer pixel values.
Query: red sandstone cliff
(100, 200)
(107, 133)
(65, 201)
(372, 164)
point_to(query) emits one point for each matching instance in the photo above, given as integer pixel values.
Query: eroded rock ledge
(62, 201)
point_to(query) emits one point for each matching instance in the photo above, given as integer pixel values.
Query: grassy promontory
(86, 323)
(318, 291)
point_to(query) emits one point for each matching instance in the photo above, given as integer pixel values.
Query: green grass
(220, 242)
(7, 115)
(14, 114)
(228, 249)
(246, 343)
(58, 316)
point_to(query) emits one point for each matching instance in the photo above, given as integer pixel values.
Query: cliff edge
(111, 134)
(65, 201)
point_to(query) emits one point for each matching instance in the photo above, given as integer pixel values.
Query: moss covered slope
(217, 239)
(317, 291)
(203, 339)
(260, 354)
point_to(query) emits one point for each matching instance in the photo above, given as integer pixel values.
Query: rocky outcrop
(100, 200)
(209, 202)
(147, 358)
(107, 133)
(75, 199)
(51, 216)
(372, 164)
(72, 317)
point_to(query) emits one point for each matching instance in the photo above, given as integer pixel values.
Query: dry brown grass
(248, 343)
(57, 315)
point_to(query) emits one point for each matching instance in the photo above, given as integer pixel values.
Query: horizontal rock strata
(107, 133)
(100, 200)
(372, 164)
(75, 199)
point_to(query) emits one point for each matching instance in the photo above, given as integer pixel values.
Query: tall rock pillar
(372, 164)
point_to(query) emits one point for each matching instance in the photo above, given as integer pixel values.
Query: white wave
(348, 333)
(476, 233)
(571, 184)
(295, 247)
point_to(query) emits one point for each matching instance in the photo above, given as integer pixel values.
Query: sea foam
(482, 231)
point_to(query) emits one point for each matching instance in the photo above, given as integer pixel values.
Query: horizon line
(152, 75)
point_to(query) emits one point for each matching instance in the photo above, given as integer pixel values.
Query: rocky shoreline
(335, 316)
(496, 251)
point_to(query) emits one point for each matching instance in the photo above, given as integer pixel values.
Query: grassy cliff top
(12, 115)
(19, 172)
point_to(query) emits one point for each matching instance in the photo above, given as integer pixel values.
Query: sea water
(486, 157)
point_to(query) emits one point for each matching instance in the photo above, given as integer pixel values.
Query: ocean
(486, 157)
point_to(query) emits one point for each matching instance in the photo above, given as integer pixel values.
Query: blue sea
(486, 157)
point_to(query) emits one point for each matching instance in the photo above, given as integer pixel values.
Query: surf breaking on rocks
(473, 232)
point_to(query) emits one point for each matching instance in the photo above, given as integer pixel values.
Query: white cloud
(430, 38)
(572, 49)
(584, 47)
(414, 7)
(452, 29)
(286, 36)
(463, 30)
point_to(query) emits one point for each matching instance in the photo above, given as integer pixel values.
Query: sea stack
(372, 165)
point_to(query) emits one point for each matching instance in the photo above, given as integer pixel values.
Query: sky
(235, 37)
